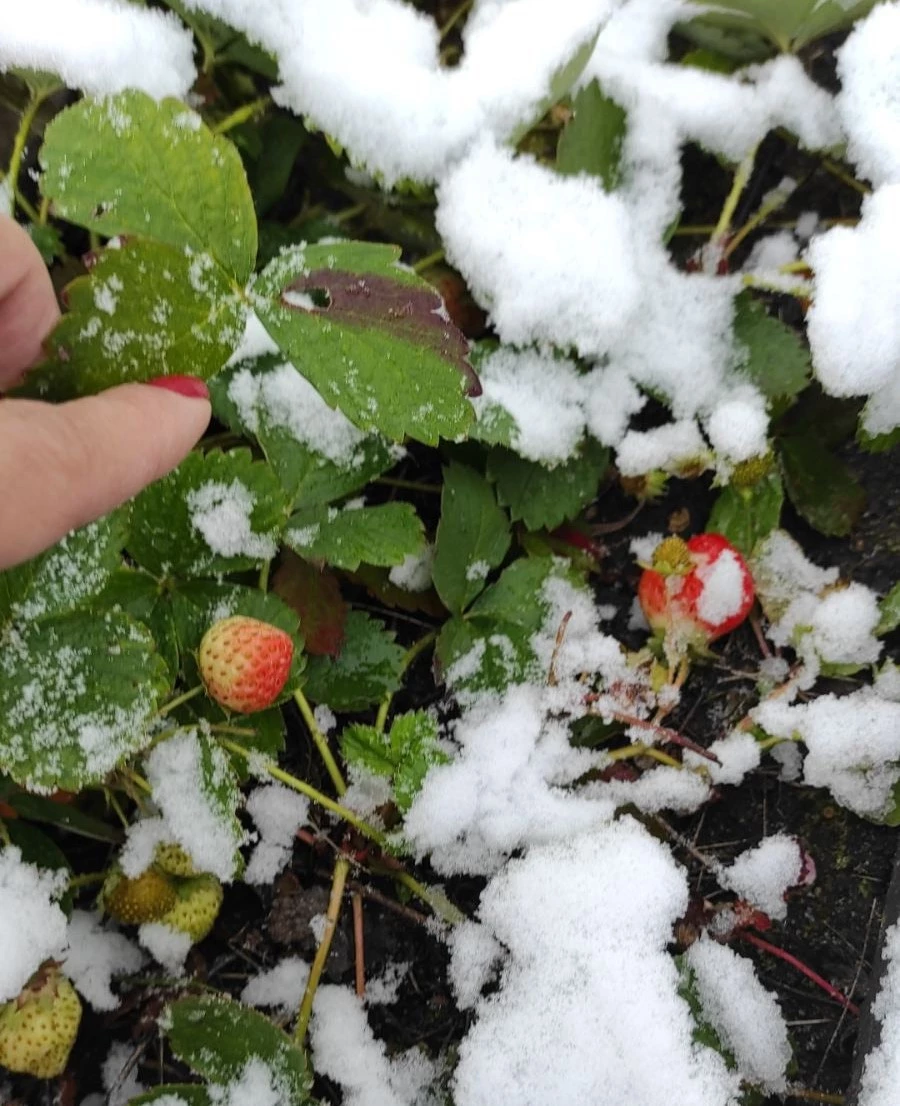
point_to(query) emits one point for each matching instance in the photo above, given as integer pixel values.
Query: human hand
(63, 466)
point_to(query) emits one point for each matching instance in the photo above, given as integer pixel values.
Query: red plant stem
(670, 736)
(814, 977)
(577, 540)
(359, 944)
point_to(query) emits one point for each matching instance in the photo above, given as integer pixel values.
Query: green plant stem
(338, 882)
(179, 701)
(138, 780)
(429, 260)
(436, 899)
(272, 769)
(741, 177)
(801, 290)
(321, 742)
(264, 576)
(455, 16)
(86, 879)
(4, 834)
(409, 657)
(348, 213)
(241, 115)
(117, 808)
(409, 485)
(816, 1096)
(772, 203)
(18, 151)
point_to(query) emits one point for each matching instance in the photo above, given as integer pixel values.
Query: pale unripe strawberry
(135, 901)
(244, 663)
(38, 1029)
(173, 860)
(695, 591)
(196, 906)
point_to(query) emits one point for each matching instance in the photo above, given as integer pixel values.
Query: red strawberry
(245, 663)
(695, 591)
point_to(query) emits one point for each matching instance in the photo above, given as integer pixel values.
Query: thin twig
(359, 943)
(341, 869)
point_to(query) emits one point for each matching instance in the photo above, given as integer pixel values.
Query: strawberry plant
(544, 382)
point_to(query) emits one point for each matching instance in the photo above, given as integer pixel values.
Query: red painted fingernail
(191, 386)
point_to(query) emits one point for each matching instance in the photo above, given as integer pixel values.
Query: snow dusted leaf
(404, 754)
(137, 593)
(144, 310)
(746, 515)
(133, 166)
(38, 808)
(315, 595)
(174, 1094)
(217, 1038)
(217, 512)
(546, 497)
(76, 694)
(592, 140)
(890, 611)
(316, 452)
(788, 24)
(67, 576)
(473, 537)
(367, 668)
(491, 643)
(770, 354)
(820, 485)
(371, 336)
(346, 537)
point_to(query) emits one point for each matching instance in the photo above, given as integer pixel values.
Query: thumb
(64, 466)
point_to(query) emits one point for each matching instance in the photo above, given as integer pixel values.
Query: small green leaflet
(770, 354)
(494, 638)
(145, 310)
(67, 576)
(219, 791)
(473, 537)
(345, 537)
(131, 166)
(820, 485)
(789, 24)
(292, 423)
(217, 512)
(137, 593)
(747, 515)
(76, 694)
(217, 1038)
(592, 140)
(542, 497)
(367, 668)
(371, 336)
(890, 612)
(404, 755)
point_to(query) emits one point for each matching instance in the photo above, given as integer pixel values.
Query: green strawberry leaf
(770, 354)
(371, 336)
(316, 452)
(473, 537)
(544, 497)
(592, 139)
(141, 313)
(491, 644)
(367, 668)
(788, 24)
(38, 808)
(217, 512)
(747, 515)
(820, 485)
(129, 165)
(217, 1037)
(890, 612)
(174, 1094)
(77, 692)
(137, 593)
(404, 755)
(69, 575)
(345, 537)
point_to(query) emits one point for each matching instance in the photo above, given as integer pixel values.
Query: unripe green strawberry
(38, 1029)
(174, 861)
(135, 901)
(196, 907)
(245, 663)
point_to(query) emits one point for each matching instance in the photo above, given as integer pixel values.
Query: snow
(672, 447)
(738, 426)
(593, 986)
(32, 925)
(184, 775)
(761, 875)
(345, 1049)
(278, 813)
(95, 954)
(881, 1073)
(119, 1077)
(723, 582)
(222, 514)
(744, 1014)
(168, 946)
(414, 572)
(100, 46)
(474, 956)
(738, 754)
(257, 1085)
(280, 988)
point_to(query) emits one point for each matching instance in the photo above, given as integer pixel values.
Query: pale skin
(65, 465)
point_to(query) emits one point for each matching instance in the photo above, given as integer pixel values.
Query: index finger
(28, 307)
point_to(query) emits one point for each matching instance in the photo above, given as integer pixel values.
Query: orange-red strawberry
(244, 663)
(695, 591)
